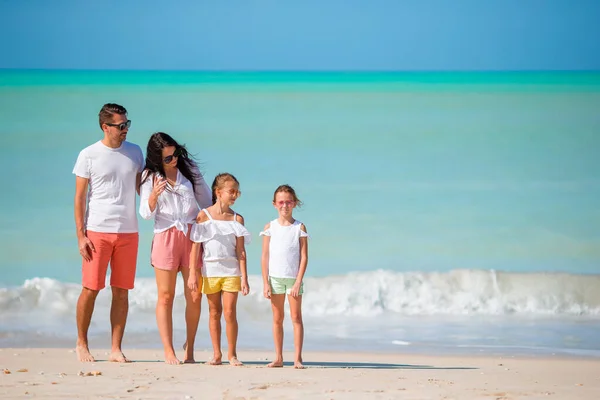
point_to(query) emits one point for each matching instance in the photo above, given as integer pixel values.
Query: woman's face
(169, 156)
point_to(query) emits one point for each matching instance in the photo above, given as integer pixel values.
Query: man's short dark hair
(107, 112)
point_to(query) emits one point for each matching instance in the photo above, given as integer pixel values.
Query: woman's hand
(159, 185)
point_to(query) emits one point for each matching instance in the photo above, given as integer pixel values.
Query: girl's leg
(165, 283)
(192, 315)
(277, 305)
(296, 314)
(215, 309)
(230, 311)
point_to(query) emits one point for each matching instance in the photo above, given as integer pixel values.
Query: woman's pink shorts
(171, 250)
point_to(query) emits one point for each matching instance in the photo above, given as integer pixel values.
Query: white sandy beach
(56, 374)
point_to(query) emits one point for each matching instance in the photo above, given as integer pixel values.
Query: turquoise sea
(447, 210)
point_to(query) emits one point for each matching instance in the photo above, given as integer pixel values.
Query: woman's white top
(218, 238)
(284, 248)
(177, 205)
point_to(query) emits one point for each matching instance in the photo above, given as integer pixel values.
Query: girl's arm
(264, 261)
(193, 277)
(240, 250)
(194, 254)
(303, 262)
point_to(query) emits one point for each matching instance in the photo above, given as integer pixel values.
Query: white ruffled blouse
(218, 239)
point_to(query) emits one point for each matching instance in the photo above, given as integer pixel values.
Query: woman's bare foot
(275, 364)
(214, 361)
(83, 353)
(118, 356)
(235, 362)
(298, 364)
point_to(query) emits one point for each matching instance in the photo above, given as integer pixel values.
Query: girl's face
(228, 192)
(284, 203)
(169, 156)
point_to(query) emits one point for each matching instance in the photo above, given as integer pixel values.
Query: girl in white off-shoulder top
(222, 234)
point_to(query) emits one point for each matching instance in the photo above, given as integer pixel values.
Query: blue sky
(301, 35)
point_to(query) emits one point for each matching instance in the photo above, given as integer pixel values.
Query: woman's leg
(193, 302)
(215, 309)
(165, 283)
(296, 314)
(277, 305)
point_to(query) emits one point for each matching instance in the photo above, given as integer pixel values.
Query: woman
(172, 191)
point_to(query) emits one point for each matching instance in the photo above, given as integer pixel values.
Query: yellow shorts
(217, 284)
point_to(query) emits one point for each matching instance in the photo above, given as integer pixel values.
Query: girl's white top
(178, 205)
(218, 239)
(284, 248)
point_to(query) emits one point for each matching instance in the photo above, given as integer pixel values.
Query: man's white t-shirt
(112, 177)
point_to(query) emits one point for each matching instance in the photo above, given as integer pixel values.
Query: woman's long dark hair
(154, 158)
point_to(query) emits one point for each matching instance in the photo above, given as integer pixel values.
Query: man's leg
(93, 276)
(122, 278)
(118, 318)
(85, 309)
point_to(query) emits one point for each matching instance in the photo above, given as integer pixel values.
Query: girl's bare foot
(298, 364)
(172, 359)
(214, 361)
(275, 364)
(118, 356)
(235, 362)
(189, 356)
(83, 353)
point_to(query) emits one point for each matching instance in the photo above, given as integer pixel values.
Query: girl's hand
(159, 185)
(267, 291)
(295, 289)
(193, 282)
(245, 287)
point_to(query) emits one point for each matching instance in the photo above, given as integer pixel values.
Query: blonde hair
(219, 181)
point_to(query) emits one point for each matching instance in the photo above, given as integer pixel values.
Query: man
(106, 221)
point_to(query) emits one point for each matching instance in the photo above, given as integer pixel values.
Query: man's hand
(86, 248)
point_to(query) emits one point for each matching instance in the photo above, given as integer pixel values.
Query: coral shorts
(171, 250)
(118, 249)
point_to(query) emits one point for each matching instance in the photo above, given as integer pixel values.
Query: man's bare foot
(275, 364)
(298, 364)
(235, 362)
(214, 361)
(118, 356)
(83, 353)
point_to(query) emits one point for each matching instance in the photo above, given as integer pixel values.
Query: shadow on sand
(355, 365)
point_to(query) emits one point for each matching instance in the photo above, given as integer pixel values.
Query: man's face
(117, 130)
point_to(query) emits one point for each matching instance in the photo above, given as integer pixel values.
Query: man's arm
(85, 245)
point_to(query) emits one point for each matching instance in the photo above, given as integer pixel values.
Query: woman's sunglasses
(168, 159)
(122, 127)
